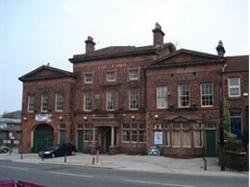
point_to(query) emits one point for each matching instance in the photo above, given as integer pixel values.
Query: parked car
(4, 149)
(58, 150)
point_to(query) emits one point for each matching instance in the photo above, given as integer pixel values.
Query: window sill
(207, 106)
(234, 97)
(59, 111)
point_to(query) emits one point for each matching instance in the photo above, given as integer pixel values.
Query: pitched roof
(55, 74)
(199, 59)
(119, 51)
(237, 63)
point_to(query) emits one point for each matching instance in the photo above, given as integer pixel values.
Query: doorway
(80, 140)
(104, 139)
(43, 137)
(210, 143)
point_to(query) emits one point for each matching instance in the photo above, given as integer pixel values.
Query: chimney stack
(158, 35)
(220, 49)
(90, 45)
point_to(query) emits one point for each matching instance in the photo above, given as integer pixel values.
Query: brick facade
(122, 128)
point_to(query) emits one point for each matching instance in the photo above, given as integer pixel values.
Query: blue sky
(33, 33)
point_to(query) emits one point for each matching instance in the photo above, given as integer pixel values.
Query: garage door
(43, 137)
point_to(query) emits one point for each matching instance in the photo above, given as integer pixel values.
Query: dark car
(4, 149)
(58, 150)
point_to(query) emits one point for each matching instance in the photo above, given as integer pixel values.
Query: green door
(211, 143)
(43, 137)
(62, 136)
(80, 140)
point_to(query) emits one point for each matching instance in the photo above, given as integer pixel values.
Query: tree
(230, 137)
(13, 115)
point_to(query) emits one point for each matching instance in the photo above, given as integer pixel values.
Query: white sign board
(158, 137)
(43, 117)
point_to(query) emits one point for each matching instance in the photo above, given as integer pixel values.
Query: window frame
(201, 94)
(84, 101)
(42, 102)
(161, 97)
(236, 115)
(56, 101)
(111, 92)
(136, 130)
(84, 77)
(201, 130)
(111, 80)
(238, 86)
(28, 106)
(129, 73)
(179, 96)
(138, 98)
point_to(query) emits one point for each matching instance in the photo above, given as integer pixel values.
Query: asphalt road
(73, 176)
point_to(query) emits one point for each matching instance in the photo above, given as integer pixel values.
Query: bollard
(97, 156)
(93, 160)
(205, 163)
(65, 157)
(21, 154)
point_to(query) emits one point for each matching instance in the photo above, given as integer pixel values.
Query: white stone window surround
(88, 77)
(134, 73)
(234, 86)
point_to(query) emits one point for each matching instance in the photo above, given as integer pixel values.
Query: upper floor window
(206, 94)
(44, 102)
(110, 100)
(134, 99)
(183, 96)
(88, 101)
(234, 87)
(59, 102)
(88, 78)
(161, 97)
(111, 76)
(31, 103)
(134, 73)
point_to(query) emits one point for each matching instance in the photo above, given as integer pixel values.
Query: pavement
(157, 164)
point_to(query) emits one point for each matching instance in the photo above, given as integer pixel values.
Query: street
(74, 176)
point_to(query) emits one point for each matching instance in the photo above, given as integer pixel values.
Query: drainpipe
(221, 129)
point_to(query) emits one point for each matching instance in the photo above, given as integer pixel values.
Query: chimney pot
(90, 45)
(158, 35)
(220, 49)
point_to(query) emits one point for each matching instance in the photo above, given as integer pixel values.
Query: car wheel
(5, 150)
(53, 155)
(73, 152)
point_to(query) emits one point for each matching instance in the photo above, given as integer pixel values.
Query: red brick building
(125, 99)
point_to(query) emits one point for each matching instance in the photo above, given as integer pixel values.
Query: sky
(34, 33)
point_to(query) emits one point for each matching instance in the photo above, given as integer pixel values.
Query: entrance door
(43, 137)
(62, 136)
(105, 139)
(210, 143)
(80, 140)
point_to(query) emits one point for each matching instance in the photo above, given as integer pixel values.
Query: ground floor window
(181, 135)
(198, 135)
(88, 132)
(235, 124)
(133, 133)
(176, 139)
